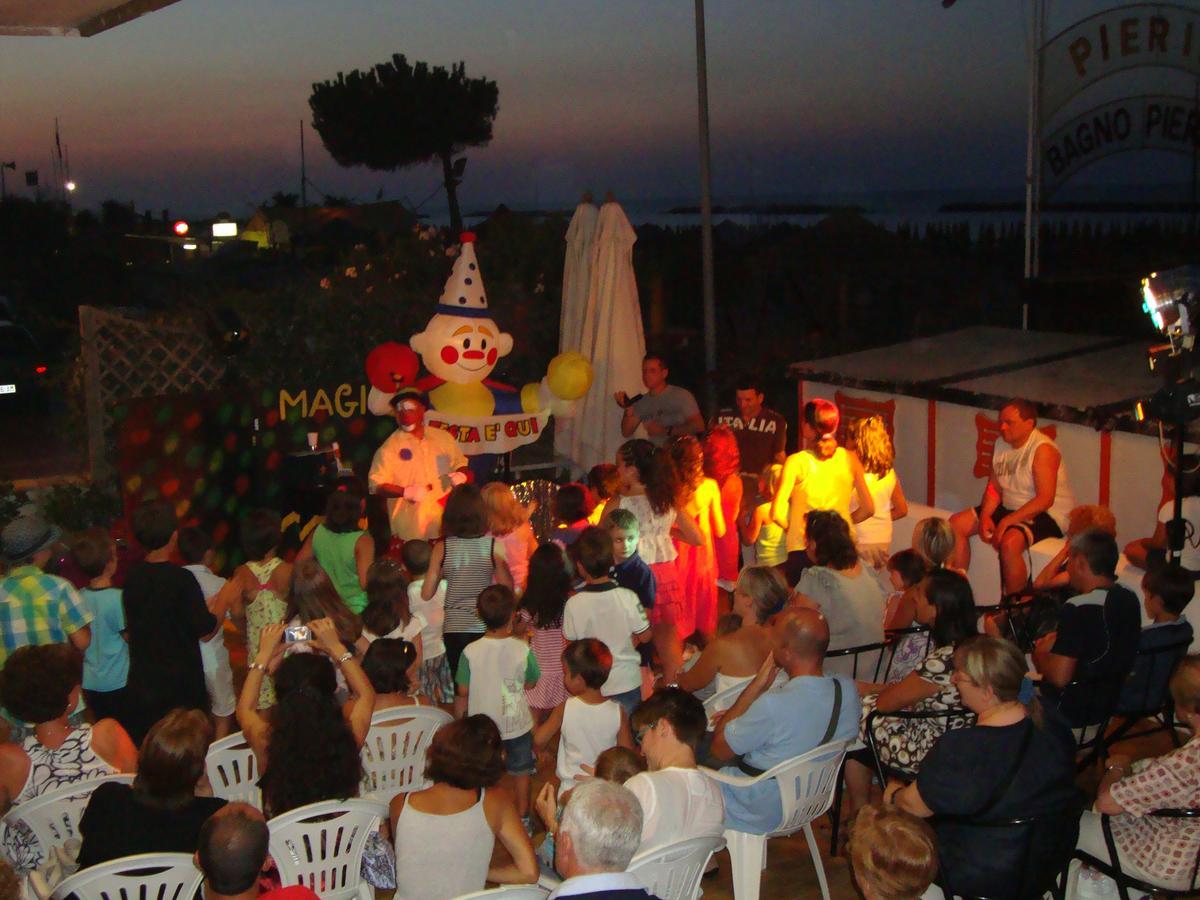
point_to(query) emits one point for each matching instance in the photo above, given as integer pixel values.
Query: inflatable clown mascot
(459, 348)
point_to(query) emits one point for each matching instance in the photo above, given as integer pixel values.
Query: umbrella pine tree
(396, 114)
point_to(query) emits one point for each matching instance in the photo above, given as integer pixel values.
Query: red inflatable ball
(392, 366)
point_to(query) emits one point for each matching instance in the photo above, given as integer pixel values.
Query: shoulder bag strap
(754, 771)
(836, 714)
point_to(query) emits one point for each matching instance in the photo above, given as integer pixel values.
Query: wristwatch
(345, 656)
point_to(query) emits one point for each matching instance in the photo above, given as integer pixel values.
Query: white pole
(706, 242)
(1031, 151)
(1040, 39)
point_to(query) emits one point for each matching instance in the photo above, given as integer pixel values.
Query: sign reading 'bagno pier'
(1132, 123)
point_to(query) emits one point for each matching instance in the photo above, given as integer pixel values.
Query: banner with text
(490, 434)
(475, 434)
(1126, 37)
(1131, 123)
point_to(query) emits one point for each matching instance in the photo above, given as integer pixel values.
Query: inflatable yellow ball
(569, 375)
(530, 402)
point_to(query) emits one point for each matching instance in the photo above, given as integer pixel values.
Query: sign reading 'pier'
(1127, 37)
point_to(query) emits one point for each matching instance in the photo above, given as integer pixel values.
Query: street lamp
(70, 186)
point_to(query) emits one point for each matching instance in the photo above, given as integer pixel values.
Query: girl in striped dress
(541, 618)
(650, 490)
(469, 560)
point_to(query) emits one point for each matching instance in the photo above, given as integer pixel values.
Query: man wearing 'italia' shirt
(761, 433)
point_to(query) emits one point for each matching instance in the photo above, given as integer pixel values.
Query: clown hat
(409, 393)
(463, 294)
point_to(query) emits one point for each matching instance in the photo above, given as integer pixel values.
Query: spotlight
(1172, 299)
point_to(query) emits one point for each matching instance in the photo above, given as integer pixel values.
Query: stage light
(180, 228)
(70, 186)
(1171, 299)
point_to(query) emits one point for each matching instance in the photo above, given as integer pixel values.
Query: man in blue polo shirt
(766, 727)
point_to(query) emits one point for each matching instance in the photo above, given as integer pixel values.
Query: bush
(72, 507)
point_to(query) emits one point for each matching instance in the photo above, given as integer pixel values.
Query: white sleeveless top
(587, 731)
(724, 683)
(677, 804)
(654, 530)
(416, 626)
(878, 528)
(73, 760)
(442, 856)
(498, 668)
(1012, 468)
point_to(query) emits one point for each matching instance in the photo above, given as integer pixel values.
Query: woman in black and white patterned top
(41, 686)
(946, 604)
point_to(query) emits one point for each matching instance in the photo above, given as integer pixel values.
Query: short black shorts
(1156, 559)
(1042, 526)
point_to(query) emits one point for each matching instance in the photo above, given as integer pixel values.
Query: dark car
(23, 368)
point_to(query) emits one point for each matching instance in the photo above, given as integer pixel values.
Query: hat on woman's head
(26, 535)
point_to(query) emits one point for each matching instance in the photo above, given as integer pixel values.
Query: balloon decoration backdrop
(204, 454)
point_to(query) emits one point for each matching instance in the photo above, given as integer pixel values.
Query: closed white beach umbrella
(577, 274)
(577, 277)
(611, 337)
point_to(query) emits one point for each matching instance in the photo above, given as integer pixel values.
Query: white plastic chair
(393, 755)
(508, 892)
(233, 770)
(806, 784)
(53, 818)
(673, 871)
(321, 846)
(162, 876)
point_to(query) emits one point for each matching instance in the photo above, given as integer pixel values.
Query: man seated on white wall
(1150, 553)
(1026, 500)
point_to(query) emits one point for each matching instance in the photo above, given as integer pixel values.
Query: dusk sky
(197, 107)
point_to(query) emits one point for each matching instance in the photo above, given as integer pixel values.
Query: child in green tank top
(343, 549)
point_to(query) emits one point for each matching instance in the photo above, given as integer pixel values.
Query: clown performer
(460, 347)
(415, 468)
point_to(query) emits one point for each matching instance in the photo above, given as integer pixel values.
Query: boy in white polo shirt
(493, 673)
(603, 610)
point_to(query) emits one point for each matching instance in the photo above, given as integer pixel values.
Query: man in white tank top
(1026, 500)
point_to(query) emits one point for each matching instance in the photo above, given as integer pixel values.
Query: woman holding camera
(307, 748)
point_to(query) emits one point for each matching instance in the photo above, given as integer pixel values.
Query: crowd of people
(704, 600)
